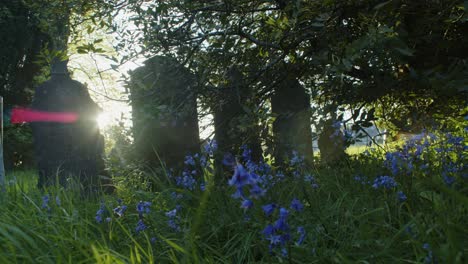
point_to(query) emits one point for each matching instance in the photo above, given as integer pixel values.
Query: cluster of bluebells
(192, 164)
(187, 180)
(242, 179)
(413, 155)
(361, 179)
(120, 209)
(311, 180)
(248, 177)
(384, 182)
(278, 232)
(297, 165)
(429, 259)
(401, 196)
(142, 208)
(454, 157)
(100, 213)
(140, 226)
(173, 219)
(45, 202)
(403, 161)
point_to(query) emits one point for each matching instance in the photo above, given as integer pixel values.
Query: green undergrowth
(346, 219)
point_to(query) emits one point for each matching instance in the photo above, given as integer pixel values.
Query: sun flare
(105, 120)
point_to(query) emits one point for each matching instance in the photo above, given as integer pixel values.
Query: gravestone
(67, 152)
(291, 128)
(331, 142)
(234, 118)
(164, 112)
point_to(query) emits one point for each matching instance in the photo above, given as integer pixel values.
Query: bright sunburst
(105, 120)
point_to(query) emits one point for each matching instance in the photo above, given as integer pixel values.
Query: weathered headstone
(331, 142)
(234, 120)
(291, 128)
(164, 109)
(67, 152)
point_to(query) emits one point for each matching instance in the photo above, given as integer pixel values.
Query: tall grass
(345, 218)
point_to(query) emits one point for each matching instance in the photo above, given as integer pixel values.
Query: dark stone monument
(331, 142)
(292, 131)
(234, 125)
(67, 152)
(164, 109)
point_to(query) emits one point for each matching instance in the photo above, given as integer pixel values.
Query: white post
(2, 166)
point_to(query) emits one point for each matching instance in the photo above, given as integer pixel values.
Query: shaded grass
(346, 222)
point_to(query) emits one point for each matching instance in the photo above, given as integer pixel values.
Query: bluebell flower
(45, 202)
(246, 153)
(202, 187)
(120, 210)
(172, 213)
(203, 161)
(268, 231)
(229, 160)
(251, 166)
(241, 177)
(57, 201)
(419, 150)
(108, 219)
(401, 196)
(238, 193)
(143, 207)
(281, 224)
(187, 181)
(210, 147)
(297, 205)
(385, 182)
(173, 225)
(269, 209)
(280, 175)
(247, 204)
(274, 239)
(99, 213)
(361, 179)
(426, 246)
(189, 160)
(302, 234)
(310, 179)
(296, 159)
(153, 240)
(140, 226)
(429, 259)
(256, 191)
(284, 252)
(175, 195)
(449, 180)
(283, 212)
(454, 140)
